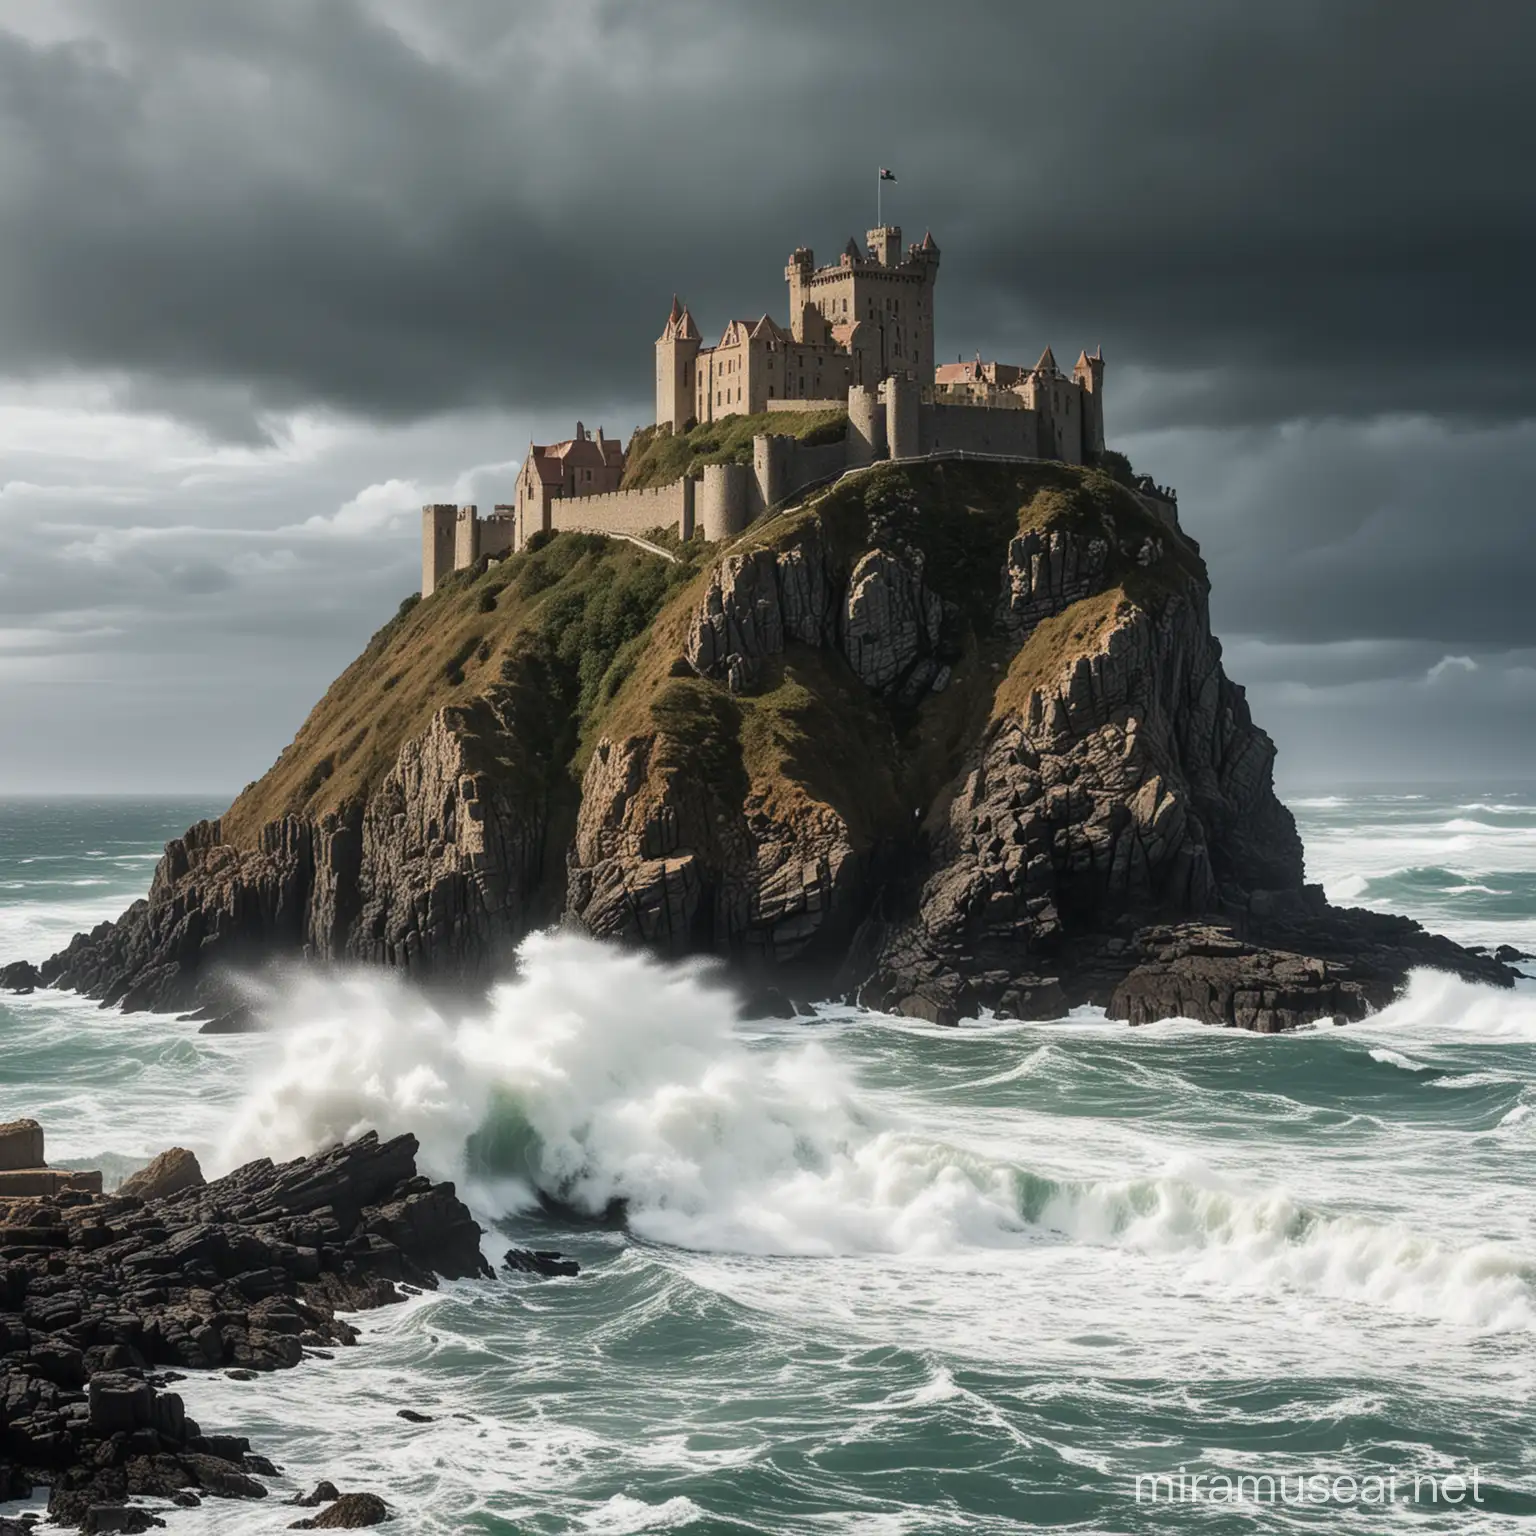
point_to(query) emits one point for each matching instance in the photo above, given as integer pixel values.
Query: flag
(886, 175)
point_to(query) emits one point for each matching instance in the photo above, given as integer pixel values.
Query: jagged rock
(97, 1290)
(19, 976)
(350, 1512)
(324, 1493)
(540, 1261)
(102, 1518)
(413, 1416)
(167, 1174)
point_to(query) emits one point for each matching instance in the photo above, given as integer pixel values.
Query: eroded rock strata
(947, 738)
(101, 1294)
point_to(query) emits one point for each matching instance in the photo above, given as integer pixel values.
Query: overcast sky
(273, 275)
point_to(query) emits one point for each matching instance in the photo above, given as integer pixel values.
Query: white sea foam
(1393, 1059)
(598, 1077)
(1439, 1007)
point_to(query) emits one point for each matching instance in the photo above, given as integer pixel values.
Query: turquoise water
(877, 1277)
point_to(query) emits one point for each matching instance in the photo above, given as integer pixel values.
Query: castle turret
(798, 275)
(677, 353)
(1089, 374)
(885, 244)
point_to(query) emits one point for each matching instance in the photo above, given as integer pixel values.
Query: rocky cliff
(946, 737)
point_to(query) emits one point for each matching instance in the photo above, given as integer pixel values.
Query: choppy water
(878, 1277)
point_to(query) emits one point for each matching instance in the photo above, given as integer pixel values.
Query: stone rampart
(979, 429)
(806, 405)
(660, 506)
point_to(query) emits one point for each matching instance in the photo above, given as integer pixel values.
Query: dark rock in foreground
(248, 1272)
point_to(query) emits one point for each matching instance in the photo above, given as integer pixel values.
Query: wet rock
(98, 1291)
(411, 1416)
(103, 1518)
(350, 1512)
(540, 1261)
(324, 1493)
(1509, 954)
(19, 976)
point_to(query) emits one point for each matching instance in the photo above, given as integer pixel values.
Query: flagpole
(879, 188)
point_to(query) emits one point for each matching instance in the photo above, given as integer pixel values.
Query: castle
(860, 341)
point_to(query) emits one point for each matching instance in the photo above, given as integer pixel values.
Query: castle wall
(722, 500)
(437, 540)
(636, 512)
(979, 429)
(830, 404)
(498, 532)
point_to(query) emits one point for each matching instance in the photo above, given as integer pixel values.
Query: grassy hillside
(657, 456)
(549, 634)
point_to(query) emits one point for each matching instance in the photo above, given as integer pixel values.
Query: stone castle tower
(1088, 372)
(875, 289)
(677, 354)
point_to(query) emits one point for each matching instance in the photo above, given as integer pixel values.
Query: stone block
(21, 1145)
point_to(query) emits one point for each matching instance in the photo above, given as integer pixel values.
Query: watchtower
(677, 353)
(438, 527)
(1089, 374)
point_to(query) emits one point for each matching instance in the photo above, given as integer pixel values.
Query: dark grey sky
(271, 276)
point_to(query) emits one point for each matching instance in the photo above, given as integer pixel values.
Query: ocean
(878, 1277)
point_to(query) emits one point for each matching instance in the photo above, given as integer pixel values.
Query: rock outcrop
(167, 1174)
(436, 874)
(98, 1294)
(950, 737)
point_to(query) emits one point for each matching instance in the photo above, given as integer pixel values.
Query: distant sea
(878, 1277)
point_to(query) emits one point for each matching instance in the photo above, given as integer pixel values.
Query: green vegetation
(657, 456)
(526, 648)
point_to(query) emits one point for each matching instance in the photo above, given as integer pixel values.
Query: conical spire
(1047, 363)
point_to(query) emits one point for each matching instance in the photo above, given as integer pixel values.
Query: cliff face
(947, 738)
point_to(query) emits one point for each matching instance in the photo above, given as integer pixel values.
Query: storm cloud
(270, 276)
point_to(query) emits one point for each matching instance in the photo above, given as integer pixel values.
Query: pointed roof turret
(686, 329)
(929, 243)
(1047, 363)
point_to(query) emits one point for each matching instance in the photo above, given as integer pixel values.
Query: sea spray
(601, 1079)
